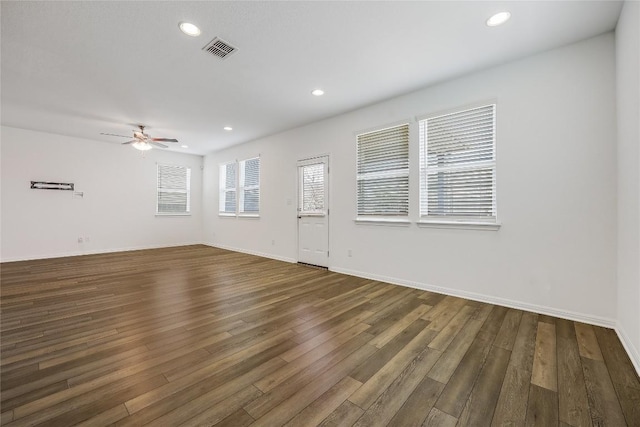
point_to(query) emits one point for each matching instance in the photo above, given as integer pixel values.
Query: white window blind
(383, 172)
(311, 188)
(249, 201)
(228, 183)
(174, 190)
(458, 167)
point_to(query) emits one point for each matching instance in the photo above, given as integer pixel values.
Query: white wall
(628, 109)
(117, 211)
(556, 183)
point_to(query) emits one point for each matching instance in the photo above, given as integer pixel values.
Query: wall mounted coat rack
(41, 185)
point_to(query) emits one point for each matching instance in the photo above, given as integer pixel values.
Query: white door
(313, 211)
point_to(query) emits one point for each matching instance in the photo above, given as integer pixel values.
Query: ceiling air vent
(219, 48)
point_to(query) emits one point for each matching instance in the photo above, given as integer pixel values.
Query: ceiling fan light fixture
(498, 19)
(189, 29)
(142, 146)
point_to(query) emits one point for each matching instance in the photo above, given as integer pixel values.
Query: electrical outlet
(87, 239)
(349, 254)
(273, 243)
(80, 240)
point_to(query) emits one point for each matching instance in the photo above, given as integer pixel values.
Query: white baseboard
(256, 253)
(632, 351)
(97, 251)
(564, 314)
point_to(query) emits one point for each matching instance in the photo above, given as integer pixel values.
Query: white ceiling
(81, 68)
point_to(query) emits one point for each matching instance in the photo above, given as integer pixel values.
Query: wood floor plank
(110, 416)
(437, 418)
(418, 405)
(82, 407)
(545, 370)
(227, 355)
(196, 335)
(270, 381)
(603, 402)
(455, 394)
(386, 314)
(449, 332)
(630, 401)
(317, 340)
(511, 408)
(587, 341)
(618, 363)
(287, 388)
(507, 334)
(375, 385)
(384, 408)
(442, 314)
(240, 418)
(382, 339)
(219, 385)
(303, 397)
(456, 350)
(323, 406)
(573, 407)
(203, 411)
(484, 395)
(380, 358)
(239, 374)
(345, 415)
(625, 379)
(6, 417)
(542, 410)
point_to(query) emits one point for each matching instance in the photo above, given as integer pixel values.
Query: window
(228, 182)
(174, 190)
(383, 172)
(311, 188)
(249, 200)
(458, 166)
(240, 188)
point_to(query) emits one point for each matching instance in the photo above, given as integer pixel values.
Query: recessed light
(184, 146)
(498, 19)
(189, 29)
(228, 128)
(317, 92)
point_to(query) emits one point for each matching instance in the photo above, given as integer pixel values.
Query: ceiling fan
(142, 141)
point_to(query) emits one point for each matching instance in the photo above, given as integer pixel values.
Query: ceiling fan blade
(129, 142)
(157, 144)
(165, 139)
(113, 134)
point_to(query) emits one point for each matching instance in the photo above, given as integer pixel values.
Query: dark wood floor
(202, 336)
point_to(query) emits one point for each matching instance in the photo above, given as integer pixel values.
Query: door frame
(327, 193)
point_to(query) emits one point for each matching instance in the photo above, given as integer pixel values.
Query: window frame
(385, 218)
(223, 189)
(314, 161)
(187, 190)
(241, 188)
(471, 222)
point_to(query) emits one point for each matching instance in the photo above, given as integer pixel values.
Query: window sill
(226, 215)
(383, 221)
(173, 214)
(249, 216)
(488, 226)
